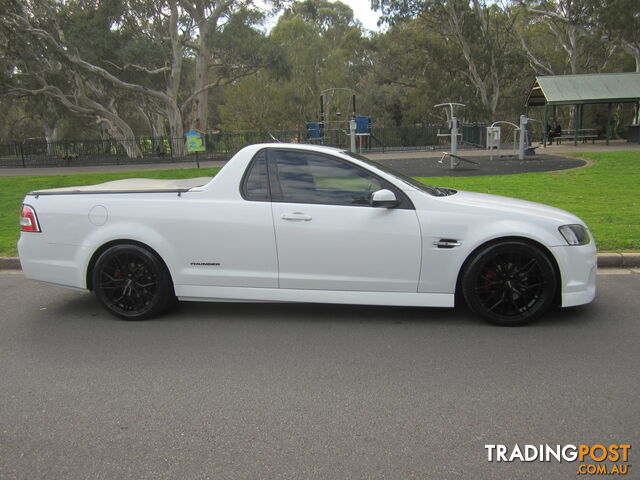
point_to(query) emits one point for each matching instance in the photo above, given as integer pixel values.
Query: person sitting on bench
(554, 132)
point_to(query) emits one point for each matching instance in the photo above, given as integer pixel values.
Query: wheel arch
(123, 241)
(543, 248)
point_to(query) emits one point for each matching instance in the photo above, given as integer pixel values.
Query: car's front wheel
(132, 283)
(509, 283)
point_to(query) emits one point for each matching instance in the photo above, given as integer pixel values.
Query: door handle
(296, 217)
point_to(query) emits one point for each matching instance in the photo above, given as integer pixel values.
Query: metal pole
(22, 155)
(454, 135)
(523, 128)
(544, 126)
(581, 116)
(608, 123)
(352, 134)
(491, 136)
(576, 126)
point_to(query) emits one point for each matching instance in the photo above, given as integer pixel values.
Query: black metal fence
(220, 146)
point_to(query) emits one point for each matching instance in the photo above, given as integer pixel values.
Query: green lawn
(606, 195)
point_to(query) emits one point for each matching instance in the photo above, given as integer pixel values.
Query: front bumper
(578, 272)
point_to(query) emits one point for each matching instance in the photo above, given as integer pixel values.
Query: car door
(329, 237)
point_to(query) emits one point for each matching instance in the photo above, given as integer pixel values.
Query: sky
(362, 11)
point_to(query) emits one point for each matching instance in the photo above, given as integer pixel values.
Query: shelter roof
(581, 89)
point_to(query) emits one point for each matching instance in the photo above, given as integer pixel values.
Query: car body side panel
(215, 294)
(202, 241)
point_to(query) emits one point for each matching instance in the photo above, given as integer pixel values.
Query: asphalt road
(254, 391)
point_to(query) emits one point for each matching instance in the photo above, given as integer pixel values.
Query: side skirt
(198, 293)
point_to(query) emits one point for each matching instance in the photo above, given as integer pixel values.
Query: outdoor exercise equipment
(493, 137)
(456, 160)
(453, 126)
(358, 127)
(325, 118)
(524, 136)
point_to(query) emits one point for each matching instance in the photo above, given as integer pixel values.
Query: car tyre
(132, 283)
(509, 283)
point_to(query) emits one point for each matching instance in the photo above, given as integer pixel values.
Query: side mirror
(384, 199)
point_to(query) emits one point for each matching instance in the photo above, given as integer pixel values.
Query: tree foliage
(128, 68)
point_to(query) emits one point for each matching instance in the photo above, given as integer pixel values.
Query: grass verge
(606, 194)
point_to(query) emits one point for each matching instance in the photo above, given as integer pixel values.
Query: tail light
(28, 219)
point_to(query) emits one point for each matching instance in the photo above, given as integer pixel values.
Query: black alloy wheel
(132, 283)
(509, 283)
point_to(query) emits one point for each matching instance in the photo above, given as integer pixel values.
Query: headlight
(575, 234)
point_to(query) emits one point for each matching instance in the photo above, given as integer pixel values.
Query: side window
(305, 177)
(255, 185)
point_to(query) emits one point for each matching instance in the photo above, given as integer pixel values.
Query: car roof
(299, 146)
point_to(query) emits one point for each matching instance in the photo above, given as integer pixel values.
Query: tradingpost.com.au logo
(593, 459)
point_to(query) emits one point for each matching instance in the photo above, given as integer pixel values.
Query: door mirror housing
(384, 199)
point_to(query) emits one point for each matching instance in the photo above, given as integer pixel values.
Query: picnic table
(582, 134)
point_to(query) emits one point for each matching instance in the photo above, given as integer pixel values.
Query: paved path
(243, 391)
(553, 150)
(483, 165)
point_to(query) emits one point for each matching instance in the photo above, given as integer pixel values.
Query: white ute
(304, 223)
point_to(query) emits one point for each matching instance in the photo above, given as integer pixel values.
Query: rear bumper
(578, 272)
(52, 263)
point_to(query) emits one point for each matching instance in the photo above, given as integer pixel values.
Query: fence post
(22, 155)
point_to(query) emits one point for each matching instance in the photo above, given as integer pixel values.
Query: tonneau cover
(131, 185)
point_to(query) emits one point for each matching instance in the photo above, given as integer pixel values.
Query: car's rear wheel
(132, 283)
(509, 283)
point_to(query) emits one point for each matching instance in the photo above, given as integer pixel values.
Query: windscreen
(431, 190)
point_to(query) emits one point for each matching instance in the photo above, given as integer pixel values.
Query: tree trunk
(51, 135)
(123, 134)
(157, 131)
(178, 141)
(200, 102)
(171, 109)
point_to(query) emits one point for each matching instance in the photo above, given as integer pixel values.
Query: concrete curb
(9, 263)
(618, 260)
(605, 260)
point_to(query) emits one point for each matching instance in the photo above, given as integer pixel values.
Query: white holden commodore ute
(306, 223)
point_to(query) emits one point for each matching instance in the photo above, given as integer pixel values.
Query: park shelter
(580, 90)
